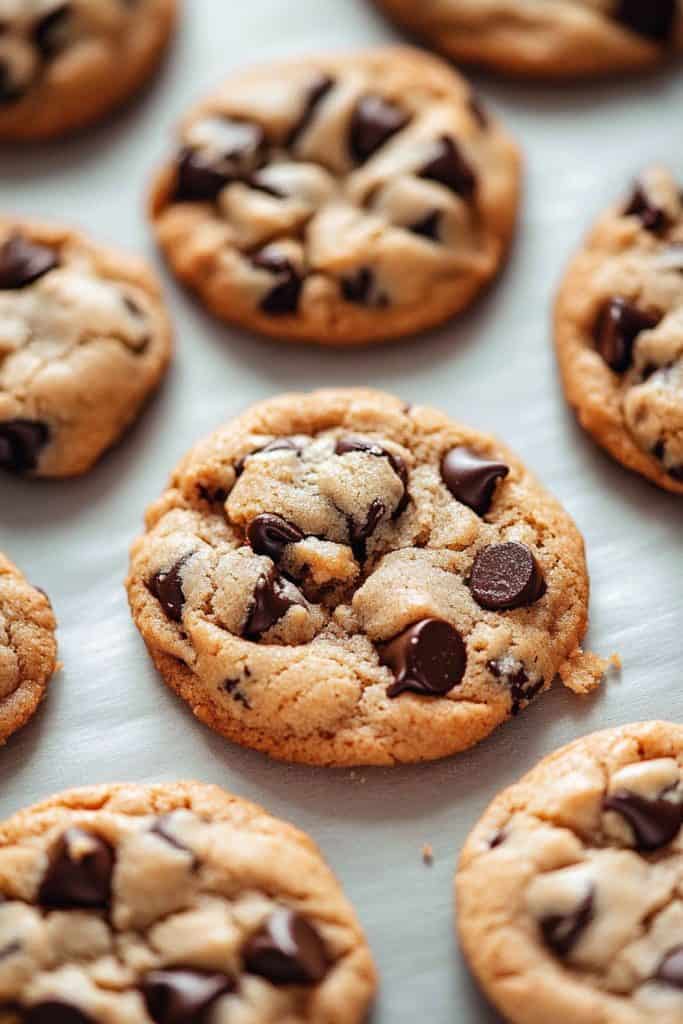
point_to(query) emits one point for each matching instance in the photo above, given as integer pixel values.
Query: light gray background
(109, 718)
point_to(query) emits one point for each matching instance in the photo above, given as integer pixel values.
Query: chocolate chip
(22, 262)
(287, 950)
(316, 93)
(79, 872)
(50, 33)
(183, 995)
(21, 442)
(348, 444)
(162, 829)
(10, 90)
(360, 533)
(655, 823)
(273, 597)
(653, 19)
(618, 325)
(238, 149)
(561, 932)
(652, 217)
(280, 444)
(269, 535)
(232, 687)
(283, 298)
(198, 178)
(449, 167)
(497, 840)
(670, 969)
(167, 587)
(429, 658)
(506, 576)
(471, 478)
(54, 1011)
(428, 226)
(374, 121)
(359, 288)
(522, 690)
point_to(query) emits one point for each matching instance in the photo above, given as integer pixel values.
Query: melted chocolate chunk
(359, 288)
(497, 840)
(506, 576)
(273, 597)
(237, 150)
(51, 33)
(21, 442)
(316, 93)
(167, 587)
(618, 325)
(670, 970)
(183, 995)
(198, 177)
(652, 217)
(655, 823)
(428, 226)
(653, 19)
(54, 1011)
(345, 445)
(471, 478)
(522, 690)
(22, 262)
(561, 932)
(283, 298)
(428, 658)
(361, 533)
(79, 872)
(449, 167)
(374, 121)
(269, 535)
(287, 950)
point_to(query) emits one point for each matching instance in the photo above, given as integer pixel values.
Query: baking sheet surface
(109, 718)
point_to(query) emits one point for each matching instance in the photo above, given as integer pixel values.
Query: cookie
(63, 65)
(338, 578)
(619, 331)
(556, 39)
(28, 649)
(569, 888)
(340, 199)
(84, 341)
(172, 904)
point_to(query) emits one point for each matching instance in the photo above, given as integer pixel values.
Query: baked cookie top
(167, 903)
(339, 578)
(339, 199)
(569, 888)
(28, 649)
(64, 62)
(84, 339)
(549, 38)
(619, 331)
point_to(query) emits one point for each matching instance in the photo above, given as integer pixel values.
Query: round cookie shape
(619, 331)
(339, 200)
(307, 583)
(28, 649)
(66, 63)
(169, 903)
(568, 888)
(552, 39)
(84, 341)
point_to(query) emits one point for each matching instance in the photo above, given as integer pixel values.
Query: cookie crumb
(427, 854)
(584, 672)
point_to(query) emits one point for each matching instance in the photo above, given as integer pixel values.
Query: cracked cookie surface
(619, 331)
(28, 649)
(548, 38)
(339, 578)
(569, 888)
(84, 341)
(64, 64)
(339, 200)
(170, 904)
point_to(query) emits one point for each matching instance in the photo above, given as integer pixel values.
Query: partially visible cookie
(28, 649)
(64, 64)
(548, 38)
(339, 199)
(619, 331)
(569, 900)
(84, 341)
(172, 904)
(338, 578)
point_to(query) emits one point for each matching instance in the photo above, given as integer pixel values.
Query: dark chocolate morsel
(428, 226)
(358, 288)
(497, 840)
(471, 478)
(183, 995)
(198, 177)
(22, 262)
(287, 950)
(273, 597)
(348, 444)
(283, 297)
(561, 932)
(522, 690)
(359, 533)
(316, 93)
(269, 535)
(280, 444)
(652, 217)
(79, 872)
(428, 658)
(506, 576)
(374, 121)
(653, 19)
(21, 442)
(50, 34)
(618, 325)
(235, 151)
(449, 167)
(54, 1011)
(167, 587)
(655, 823)
(670, 970)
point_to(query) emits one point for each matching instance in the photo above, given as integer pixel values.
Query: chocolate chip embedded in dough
(54, 1011)
(359, 289)
(287, 950)
(506, 576)
(79, 872)
(273, 597)
(317, 91)
(428, 226)
(21, 444)
(183, 995)
(640, 205)
(51, 32)
(472, 478)
(167, 587)
(283, 297)
(22, 262)
(270, 534)
(561, 932)
(618, 325)
(374, 121)
(655, 823)
(233, 151)
(448, 167)
(428, 658)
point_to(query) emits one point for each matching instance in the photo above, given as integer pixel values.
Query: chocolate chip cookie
(28, 650)
(569, 888)
(64, 64)
(84, 340)
(172, 904)
(339, 200)
(619, 331)
(548, 38)
(338, 578)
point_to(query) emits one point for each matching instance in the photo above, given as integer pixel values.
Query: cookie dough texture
(294, 543)
(547, 38)
(340, 199)
(84, 341)
(65, 65)
(569, 888)
(167, 903)
(619, 331)
(28, 649)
